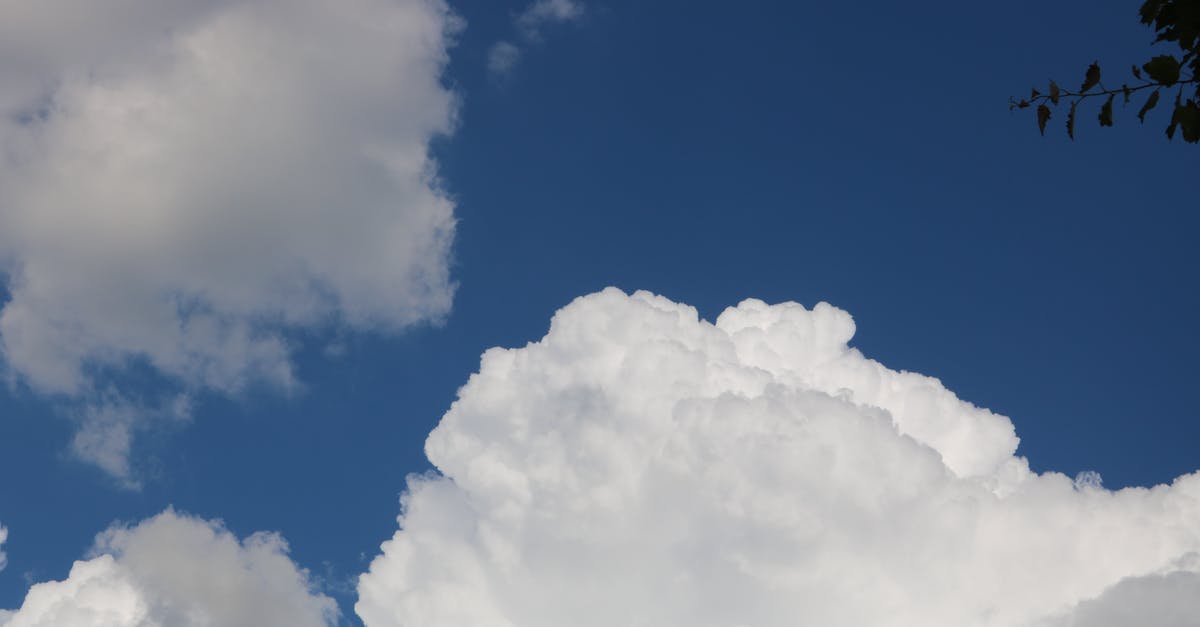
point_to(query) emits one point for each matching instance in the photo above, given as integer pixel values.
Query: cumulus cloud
(1169, 599)
(640, 466)
(529, 24)
(179, 571)
(185, 185)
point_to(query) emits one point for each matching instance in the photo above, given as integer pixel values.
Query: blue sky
(855, 154)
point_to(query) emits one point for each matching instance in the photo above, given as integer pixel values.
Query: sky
(256, 252)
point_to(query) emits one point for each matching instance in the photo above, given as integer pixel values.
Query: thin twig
(1102, 92)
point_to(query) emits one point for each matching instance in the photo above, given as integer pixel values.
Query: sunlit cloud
(640, 466)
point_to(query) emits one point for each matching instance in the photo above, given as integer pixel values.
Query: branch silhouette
(1175, 21)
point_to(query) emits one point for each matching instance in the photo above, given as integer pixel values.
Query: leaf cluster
(1174, 21)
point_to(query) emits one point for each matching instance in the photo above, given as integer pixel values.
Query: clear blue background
(711, 151)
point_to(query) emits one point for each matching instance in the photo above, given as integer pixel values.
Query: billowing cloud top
(175, 570)
(639, 466)
(183, 181)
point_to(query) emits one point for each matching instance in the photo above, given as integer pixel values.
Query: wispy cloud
(108, 425)
(541, 13)
(503, 57)
(529, 25)
(3, 539)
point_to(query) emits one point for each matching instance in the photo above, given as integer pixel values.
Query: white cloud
(503, 57)
(530, 23)
(639, 466)
(3, 539)
(1170, 599)
(185, 184)
(174, 570)
(542, 12)
(107, 428)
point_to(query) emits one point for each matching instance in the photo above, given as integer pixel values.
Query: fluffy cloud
(1168, 599)
(640, 466)
(179, 571)
(184, 185)
(503, 56)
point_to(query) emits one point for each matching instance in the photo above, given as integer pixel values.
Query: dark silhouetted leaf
(1188, 117)
(1175, 22)
(1092, 78)
(1043, 116)
(1163, 69)
(1174, 118)
(1106, 112)
(1150, 10)
(1150, 102)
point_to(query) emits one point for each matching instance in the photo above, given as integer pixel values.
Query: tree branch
(1065, 94)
